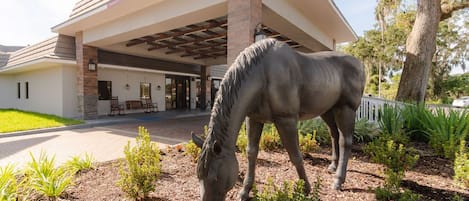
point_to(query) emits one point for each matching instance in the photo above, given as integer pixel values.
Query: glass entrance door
(177, 92)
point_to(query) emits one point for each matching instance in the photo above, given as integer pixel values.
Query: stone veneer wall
(87, 81)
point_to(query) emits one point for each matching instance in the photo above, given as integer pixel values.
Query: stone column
(205, 87)
(243, 17)
(87, 81)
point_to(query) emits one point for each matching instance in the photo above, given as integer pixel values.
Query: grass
(12, 120)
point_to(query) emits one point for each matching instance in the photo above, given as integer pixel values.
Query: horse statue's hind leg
(328, 117)
(254, 131)
(345, 120)
(288, 131)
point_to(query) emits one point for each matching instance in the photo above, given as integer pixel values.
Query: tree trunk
(420, 48)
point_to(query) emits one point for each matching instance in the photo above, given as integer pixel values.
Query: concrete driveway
(105, 142)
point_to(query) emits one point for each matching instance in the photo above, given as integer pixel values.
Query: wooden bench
(134, 104)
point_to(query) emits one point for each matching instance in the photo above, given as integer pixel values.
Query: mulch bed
(432, 177)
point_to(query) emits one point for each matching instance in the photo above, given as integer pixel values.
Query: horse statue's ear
(216, 148)
(197, 140)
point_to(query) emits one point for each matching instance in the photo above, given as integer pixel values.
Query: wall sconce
(158, 87)
(91, 65)
(127, 86)
(209, 78)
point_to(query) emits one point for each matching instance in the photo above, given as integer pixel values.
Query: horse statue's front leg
(254, 130)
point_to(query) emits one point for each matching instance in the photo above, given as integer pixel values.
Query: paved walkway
(104, 138)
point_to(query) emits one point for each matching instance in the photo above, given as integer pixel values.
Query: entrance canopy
(196, 31)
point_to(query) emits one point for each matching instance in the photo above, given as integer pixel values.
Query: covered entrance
(191, 39)
(177, 94)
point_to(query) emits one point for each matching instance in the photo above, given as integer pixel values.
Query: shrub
(446, 130)
(322, 133)
(289, 192)
(8, 184)
(193, 150)
(242, 141)
(142, 167)
(77, 164)
(308, 143)
(394, 156)
(391, 123)
(365, 131)
(461, 166)
(44, 178)
(270, 139)
(397, 159)
(413, 125)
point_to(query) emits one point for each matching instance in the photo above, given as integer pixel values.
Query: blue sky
(26, 22)
(29, 21)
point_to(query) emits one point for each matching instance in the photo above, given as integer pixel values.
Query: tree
(421, 46)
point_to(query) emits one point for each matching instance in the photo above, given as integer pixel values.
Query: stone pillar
(243, 17)
(87, 81)
(205, 87)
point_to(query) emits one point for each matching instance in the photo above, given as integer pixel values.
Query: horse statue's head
(217, 169)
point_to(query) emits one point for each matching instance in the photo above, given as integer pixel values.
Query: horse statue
(271, 82)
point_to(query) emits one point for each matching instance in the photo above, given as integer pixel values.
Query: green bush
(446, 130)
(8, 184)
(461, 166)
(78, 164)
(394, 156)
(391, 123)
(242, 141)
(322, 133)
(42, 176)
(365, 131)
(270, 139)
(396, 159)
(142, 167)
(289, 192)
(413, 125)
(308, 143)
(192, 150)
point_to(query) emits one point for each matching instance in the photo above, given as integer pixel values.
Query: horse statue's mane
(228, 94)
(229, 87)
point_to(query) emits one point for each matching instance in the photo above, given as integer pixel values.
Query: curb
(93, 124)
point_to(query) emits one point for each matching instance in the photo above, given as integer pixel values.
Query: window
(145, 90)
(27, 89)
(19, 90)
(104, 90)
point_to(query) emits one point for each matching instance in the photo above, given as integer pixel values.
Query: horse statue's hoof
(332, 168)
(336, 185)
(243, 196)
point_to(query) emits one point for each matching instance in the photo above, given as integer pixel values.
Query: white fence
(370, 106)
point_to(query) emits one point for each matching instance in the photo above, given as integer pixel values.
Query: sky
(26, 22)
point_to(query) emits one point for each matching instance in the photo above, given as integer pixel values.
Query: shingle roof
(84, 6)
(5, 49)
(58, 47)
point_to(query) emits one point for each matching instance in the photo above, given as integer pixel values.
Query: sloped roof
(84, 6)
(59, 47)
(5, 49)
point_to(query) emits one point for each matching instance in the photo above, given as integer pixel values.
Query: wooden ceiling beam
(177, 32)
(211, 51)
(200, 39)
(214, 56)
(195, 47)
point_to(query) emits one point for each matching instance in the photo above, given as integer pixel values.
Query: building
(172, 51)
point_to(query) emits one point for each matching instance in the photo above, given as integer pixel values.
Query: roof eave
(346, 23)
(24, 66)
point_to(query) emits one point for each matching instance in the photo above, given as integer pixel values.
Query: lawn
(12, 120)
